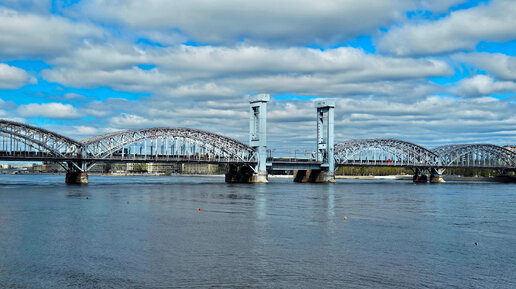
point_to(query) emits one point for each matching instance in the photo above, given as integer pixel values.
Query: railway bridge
(247, 163)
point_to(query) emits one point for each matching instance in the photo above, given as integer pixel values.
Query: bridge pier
(436, 175)
(76, 178)
(244, 174)
(420, 176)
(76, 174)
(313, 176)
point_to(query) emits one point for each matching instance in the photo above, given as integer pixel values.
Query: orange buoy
(198, 209)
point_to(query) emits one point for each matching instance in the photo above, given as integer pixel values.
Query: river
(185, 232)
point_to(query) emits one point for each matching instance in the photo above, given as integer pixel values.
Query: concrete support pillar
(244, 174)
(258, 133)
(325, 137)
(77, 173)
(76, 178)
(420, 176)
(436, 175)
(313, 176)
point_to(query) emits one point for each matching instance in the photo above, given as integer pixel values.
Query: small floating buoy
(86, 198)
(476, 243)
(198, 209)
(345, 218)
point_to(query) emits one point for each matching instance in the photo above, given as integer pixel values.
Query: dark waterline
(146, 232)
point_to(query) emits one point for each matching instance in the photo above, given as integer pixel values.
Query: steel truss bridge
(22, 142)
(399, 153)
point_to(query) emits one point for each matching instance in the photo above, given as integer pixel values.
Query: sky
(430, 72)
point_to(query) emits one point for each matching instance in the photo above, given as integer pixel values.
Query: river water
(147, 232)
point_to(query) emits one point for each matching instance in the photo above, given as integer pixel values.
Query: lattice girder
(38, 139)
(405, 152)
(184, 141)
(477, 155)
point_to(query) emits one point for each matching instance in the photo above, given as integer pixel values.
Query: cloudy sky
(426, 71)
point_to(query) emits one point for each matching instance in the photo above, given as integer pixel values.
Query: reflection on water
(141, 232)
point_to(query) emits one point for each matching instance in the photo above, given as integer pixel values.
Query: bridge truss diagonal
(384, 152)
(167, 144)
(21, 141)
(476, 156)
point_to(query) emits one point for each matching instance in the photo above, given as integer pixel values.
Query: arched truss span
(383, 152)
(476, 155)
(167, 143)
(21, 139)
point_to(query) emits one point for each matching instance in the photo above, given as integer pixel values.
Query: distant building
(170, 168)
(152, 168)
(130, 168)
(17, 165)
(42, 168)
(166, 168)
(199, 169)
(99, 168)
(119, 167)
(52, 167)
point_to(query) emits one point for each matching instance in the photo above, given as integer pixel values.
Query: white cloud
(53, 110)
(198, 91)
(134, 79)
(461, 30)
(276, 21)
(204, 87)
(439, 5)
(483, 85)
(12, 77)
(245, 60)
(430, 121)
(207, 61)
(24, 34)
(73, 96)
(39, 6)
(79, 132)
(266, 21)
(221, 72)
(126, 120)
(500, 65)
